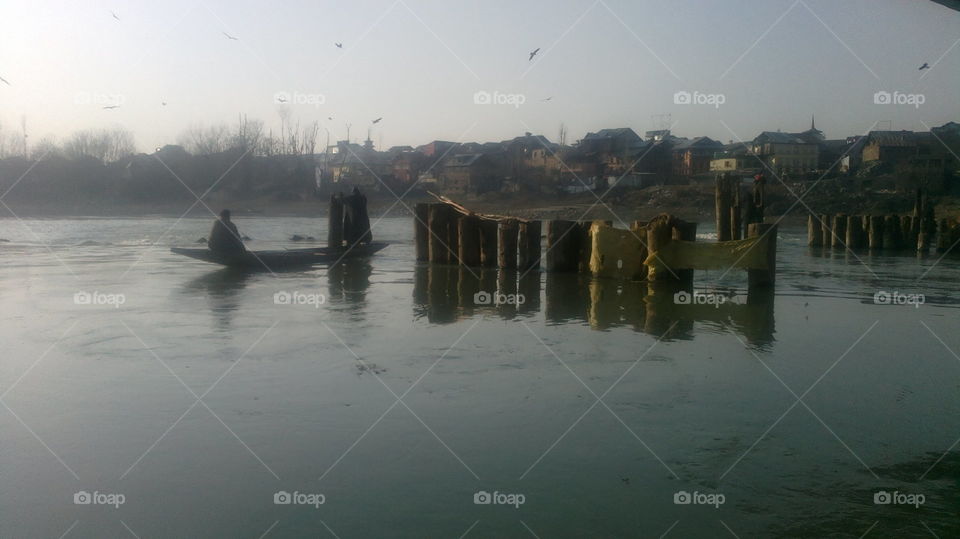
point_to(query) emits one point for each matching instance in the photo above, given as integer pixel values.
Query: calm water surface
(199, 398)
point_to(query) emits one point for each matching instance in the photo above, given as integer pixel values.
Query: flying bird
(230, 37)
(547, 99)
(163, 103)
(924, 66)
(534, 53)
(281, 99)
(330, 117)
(6, 81)
(111, 107)
(378, 120)
(115, 15)
(339, 45)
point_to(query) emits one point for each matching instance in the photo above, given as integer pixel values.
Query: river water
(183, 400)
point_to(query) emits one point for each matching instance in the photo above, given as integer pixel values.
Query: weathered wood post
(907, 231)
(764, 277)
(507, 241)
(528, 242)
(563, 246)
(639, 229)
(722, 197)
(876, 232)
(928, 227)
(735, 208)
(686, 231)
(468, 229)
(586, 243)
(439, 223)
(825, 222)
(814, 231)
(943, 236)
(659, 233)
(488, 243)
(839, 231)
(421, 216)
(892, 238)
(335, 222)
(854, 232)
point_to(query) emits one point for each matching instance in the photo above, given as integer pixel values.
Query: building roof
(778, 137)
(463, 160)
(611, 133)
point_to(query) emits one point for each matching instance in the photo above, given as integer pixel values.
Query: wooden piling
(335, 222)
(928, 227)
(814, 231)
(825, 222)
(468, 230)
(736, 195)
(660, 233)
(686, 231)
(839, 231)
(562, 246)
(488, 243)
(507, 240)
(421, 216)
(722, 196)
(892, 239)
(768, 276)
(528, 243)
(906, 231)
(943, 236)
(438, 223)
(876, 232)
(854, 232)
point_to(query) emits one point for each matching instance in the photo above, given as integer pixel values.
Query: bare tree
(106, 145)
(200, 140)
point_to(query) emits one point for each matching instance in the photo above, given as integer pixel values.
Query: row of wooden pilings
(881, 232)
(445, 235)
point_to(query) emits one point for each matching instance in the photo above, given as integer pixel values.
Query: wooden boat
(282, 259)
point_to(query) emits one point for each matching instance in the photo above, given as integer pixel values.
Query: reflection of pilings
(335, 222)
(507, 240)
(507, 288)
(767, 276)
(468, 285)
(488, 243)
(468, 229)
(567, 296)
(662, 312)
(854, 232)
(757, 322)
(421, 214)
(529, 287)
(442, 294)
(528, 257)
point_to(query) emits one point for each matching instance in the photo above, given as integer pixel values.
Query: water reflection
(349, 281)
(221, 289)
(444, 294)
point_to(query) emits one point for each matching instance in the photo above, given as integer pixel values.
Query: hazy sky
(418, 64)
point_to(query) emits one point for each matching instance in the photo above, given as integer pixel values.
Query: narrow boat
(282, 259)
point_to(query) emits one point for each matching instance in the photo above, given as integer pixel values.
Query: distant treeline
(102, 166)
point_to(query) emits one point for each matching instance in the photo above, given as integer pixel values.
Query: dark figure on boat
(224, 237)
(356, 221)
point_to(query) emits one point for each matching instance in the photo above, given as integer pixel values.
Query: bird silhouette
(339, 45)
(6, 81)
(281, 99)
(924, 66)
(230, 37)
(111, 107)
(163, 103)
(534, 53)
(115, 15)
(547, 99)
(378, 120)
(330, 117)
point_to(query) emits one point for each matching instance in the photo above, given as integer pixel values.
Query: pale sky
(418, 64)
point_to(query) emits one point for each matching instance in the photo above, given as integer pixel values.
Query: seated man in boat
(224, 237)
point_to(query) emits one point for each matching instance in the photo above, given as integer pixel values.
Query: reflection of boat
(282, 259)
